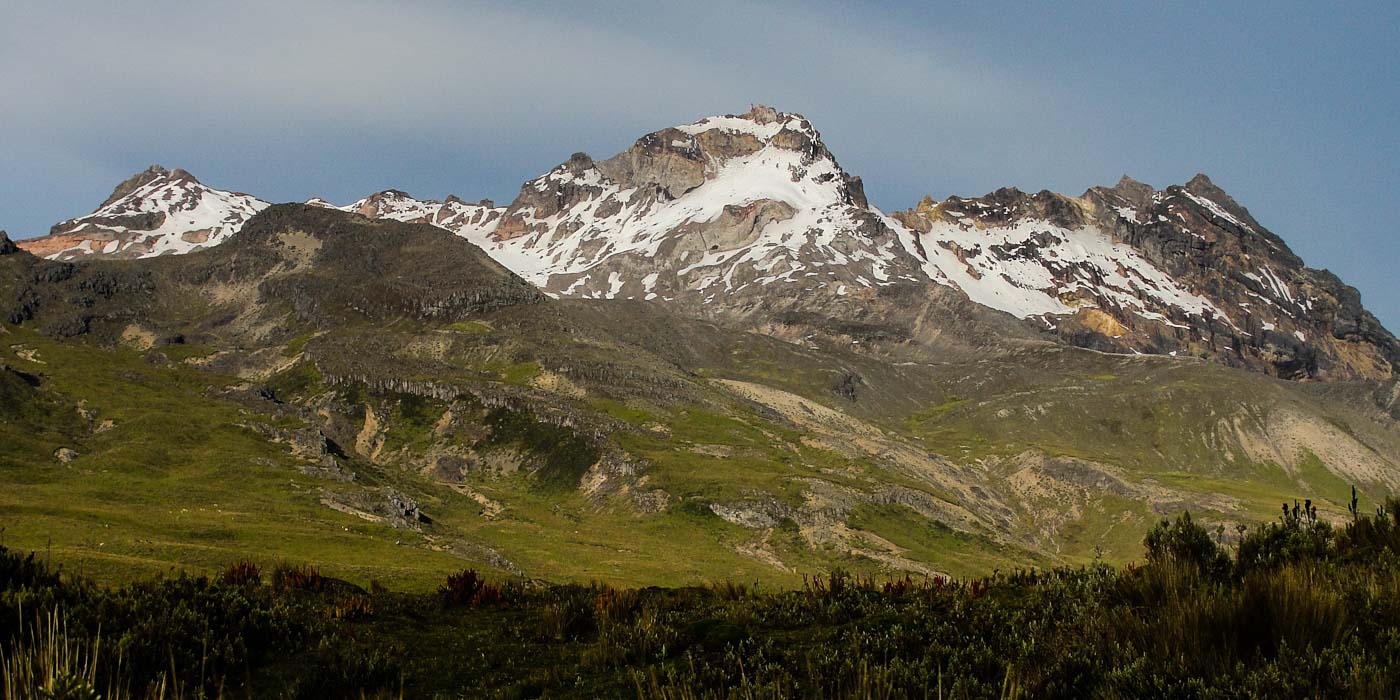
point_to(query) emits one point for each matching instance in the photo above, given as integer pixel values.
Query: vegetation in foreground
(1295, 608)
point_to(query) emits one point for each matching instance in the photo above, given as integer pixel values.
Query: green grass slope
(388, 403)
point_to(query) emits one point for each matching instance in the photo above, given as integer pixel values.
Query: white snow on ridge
(195, 216)
(739, 125)
(579, 239)
(1021, 278)
(395, 205)
(461, 218)
(1218, 210)
(1038, 269)
(1029, 268)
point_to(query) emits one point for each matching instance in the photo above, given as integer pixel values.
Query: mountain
(154, 212)
(703, 212)
(749, 220)
(390, 402)
(750, 216)
(1185, 270)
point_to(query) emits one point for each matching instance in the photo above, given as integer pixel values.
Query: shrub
(729, 590)
(298, 578)
(351, 608)
(1320, 620)
(613, 606)
(572, 616)
(1299, 534)
(467, 587)
(1185, 543)
(24, 571)
(243, 573)
(1368, 537)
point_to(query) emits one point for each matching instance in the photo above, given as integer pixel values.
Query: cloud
(81, 76)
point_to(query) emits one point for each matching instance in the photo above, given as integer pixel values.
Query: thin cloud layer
(474, 79)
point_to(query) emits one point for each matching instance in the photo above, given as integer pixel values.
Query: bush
(287, 577)
(351, 608)
(1299, 534)
(243, 573)
(1309, 612)
(1368, 537)
(466, 587)
(1185, 543)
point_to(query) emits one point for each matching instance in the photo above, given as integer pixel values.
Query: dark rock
(847, 386)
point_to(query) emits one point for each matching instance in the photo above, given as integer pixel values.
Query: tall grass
(45, 661)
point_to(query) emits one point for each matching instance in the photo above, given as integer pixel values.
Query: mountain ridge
(749, 219)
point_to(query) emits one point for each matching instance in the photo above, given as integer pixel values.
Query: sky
(1291, 107)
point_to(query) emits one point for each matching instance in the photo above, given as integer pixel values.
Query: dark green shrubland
(1293, 608)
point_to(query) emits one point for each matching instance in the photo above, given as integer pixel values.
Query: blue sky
(1291, 107)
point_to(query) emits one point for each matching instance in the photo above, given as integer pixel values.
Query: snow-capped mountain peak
(154, 212)
(700, 211)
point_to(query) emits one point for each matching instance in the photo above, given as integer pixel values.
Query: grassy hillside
(387, 403)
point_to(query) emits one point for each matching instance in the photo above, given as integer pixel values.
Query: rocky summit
(154, 212)
(749, 220)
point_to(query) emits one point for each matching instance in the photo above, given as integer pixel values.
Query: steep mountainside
(389, 402)
(1185, 270)
(749, 220)
(154, 212)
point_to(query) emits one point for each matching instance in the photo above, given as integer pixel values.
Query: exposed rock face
(7, 246)
(384, 505)
(154, 212)
(1185, 270)
(656, 159)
